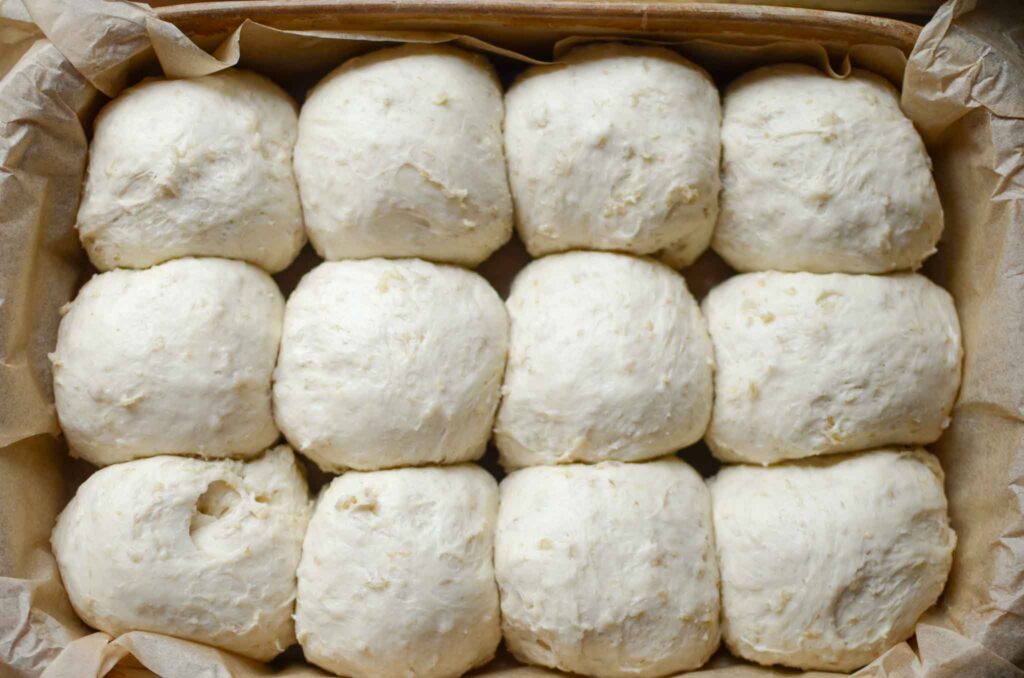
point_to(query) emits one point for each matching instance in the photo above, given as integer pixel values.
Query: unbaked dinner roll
(609, 358)
(199, 167)
(397, 577)
(400, 155)
(608, 570)
(812, 364)
(390, 363)
(203, 550)
(823, 175)
(616, 148)
(827, 563)
(175, 359)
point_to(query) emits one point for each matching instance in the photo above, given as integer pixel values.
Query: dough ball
(400, 155)
(390, 363)
(608, 570)
(175, 359)
(615, 148)
(813, 364)
(202, 550)
(823, 175)
(199, 167)
(827, 563)
(419, 598)
(609, 358)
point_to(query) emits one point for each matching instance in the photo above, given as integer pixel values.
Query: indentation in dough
(212, 505)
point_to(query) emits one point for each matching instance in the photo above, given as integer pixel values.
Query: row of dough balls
(610, 569)
(402, 153)
(384, 363)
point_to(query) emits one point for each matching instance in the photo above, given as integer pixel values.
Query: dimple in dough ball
(400, 155)
(175, 359)
(823, 175)
(609, 358)
(397, 577)
(202, 550)
(615, 148)
(390, 363)
(811, 364)
(827, 563)
(199, 167)
(608, 570)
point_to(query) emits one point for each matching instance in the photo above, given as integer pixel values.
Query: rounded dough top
(202, 550)
(609, 358)
(174, 359)
(823, 175)
(615, 148)
(608, 570)
(194, 167)
(423, 582)
(400, 155)
(827, 563)
(390, 363)
(812, 364)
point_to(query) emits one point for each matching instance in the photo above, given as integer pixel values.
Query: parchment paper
(963, 86)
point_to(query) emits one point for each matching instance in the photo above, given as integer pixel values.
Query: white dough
(616, 148)
(823, 175)
(202, 550)
(608, 570)
(400, 155)
(609, 358)
(828, 563)
(812, 364)
(396, 578)
(175, 359)
(390, 363)
(199, 167)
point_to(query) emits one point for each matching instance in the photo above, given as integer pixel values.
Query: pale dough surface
(193, 167)
(823, 175)
(202, 550)
(397, 578)
(616, 148)
(400, 155)
(827, 563)
(390, 363)
(174, 359)
(609, 358)
(608, 569)
(811, 364)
